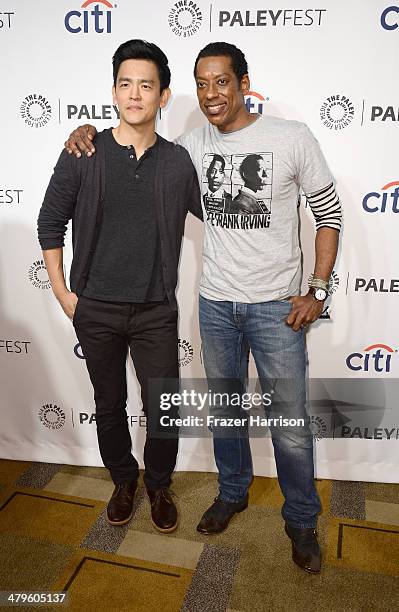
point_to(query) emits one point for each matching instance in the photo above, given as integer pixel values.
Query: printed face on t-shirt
(215, 175)
(253, 172)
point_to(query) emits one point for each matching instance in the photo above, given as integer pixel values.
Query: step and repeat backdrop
(331, 64)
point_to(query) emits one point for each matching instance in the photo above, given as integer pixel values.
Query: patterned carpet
(54, 537)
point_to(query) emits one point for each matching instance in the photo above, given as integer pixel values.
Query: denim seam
(237, 368)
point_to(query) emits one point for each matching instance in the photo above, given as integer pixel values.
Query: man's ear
(245, 85)
(165, 97)
(114, 96)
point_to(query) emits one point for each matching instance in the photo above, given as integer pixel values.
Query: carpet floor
(54, 537)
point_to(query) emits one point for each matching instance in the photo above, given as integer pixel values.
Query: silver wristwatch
(318, 293)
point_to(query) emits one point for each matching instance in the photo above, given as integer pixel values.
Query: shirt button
(131, 156)
(136, 176)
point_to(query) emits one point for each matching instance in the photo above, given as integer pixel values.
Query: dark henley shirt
(126, 265)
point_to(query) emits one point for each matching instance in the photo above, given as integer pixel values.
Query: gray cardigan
(76, 191)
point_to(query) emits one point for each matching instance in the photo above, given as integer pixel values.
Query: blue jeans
(229, 330)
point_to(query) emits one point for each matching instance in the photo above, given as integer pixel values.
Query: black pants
(105, 331)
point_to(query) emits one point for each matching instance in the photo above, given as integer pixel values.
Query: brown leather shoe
(305, 548)
(120, 506)
(163, 510)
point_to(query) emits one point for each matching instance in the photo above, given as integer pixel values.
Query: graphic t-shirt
(250, 181)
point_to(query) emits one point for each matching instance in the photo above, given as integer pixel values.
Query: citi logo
(255, 102)
(98, 19)
(374, 358)
(390, 18)
(384, 201)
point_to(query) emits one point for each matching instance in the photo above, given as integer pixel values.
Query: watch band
(318, 283)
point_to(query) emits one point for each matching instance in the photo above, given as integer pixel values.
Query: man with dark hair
(250, 287)
(128, 209)
(141, 49)
(237, 58)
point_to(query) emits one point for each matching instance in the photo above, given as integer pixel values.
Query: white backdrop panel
(299, 60)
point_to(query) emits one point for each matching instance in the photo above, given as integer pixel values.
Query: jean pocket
(285, 304)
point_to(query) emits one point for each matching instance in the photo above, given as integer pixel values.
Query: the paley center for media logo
(337, 112)
(35, 110)
(318, 427)
(52, 416)
(185, 18)
(186, 352)
(92, 16)
(38, 275)
(333, 285)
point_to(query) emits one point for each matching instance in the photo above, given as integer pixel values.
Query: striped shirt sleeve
(326, 207)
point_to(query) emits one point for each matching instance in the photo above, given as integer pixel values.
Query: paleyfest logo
(35, 110)
(185, 18)
(5, 20)
(337, 112)
(277, 17)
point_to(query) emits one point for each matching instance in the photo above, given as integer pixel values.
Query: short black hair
(218, 49)
(141, 49)
(217, 158)
(248, 164)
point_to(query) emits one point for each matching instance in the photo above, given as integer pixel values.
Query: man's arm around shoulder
(193, 194)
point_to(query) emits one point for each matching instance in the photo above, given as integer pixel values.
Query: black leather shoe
(305, 548)
(219, 515)
(163, 510)
(120, 506)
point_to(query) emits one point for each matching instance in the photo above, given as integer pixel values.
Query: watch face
(320, 294)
